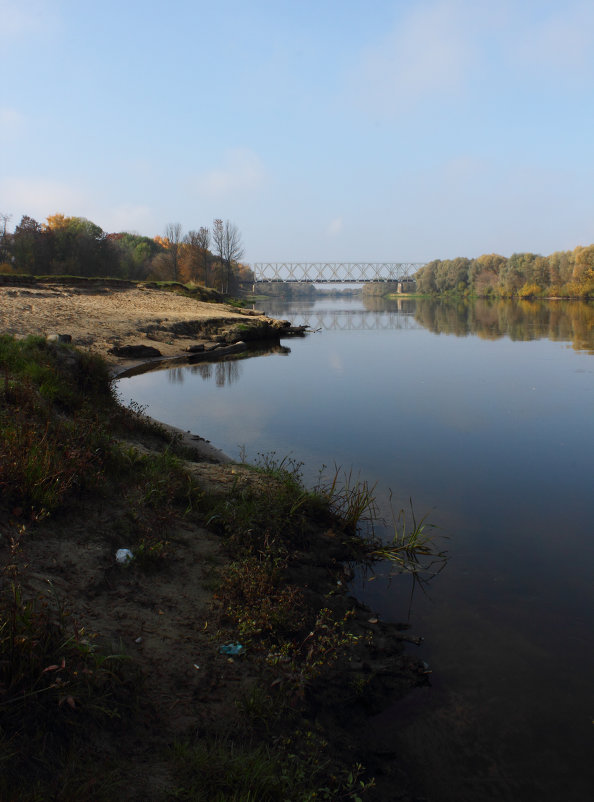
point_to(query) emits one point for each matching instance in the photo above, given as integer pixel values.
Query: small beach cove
(312, 661)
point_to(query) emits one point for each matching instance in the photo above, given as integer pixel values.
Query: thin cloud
(11, 122)
(335, 227)
(20, 19)
(242, 172)
(429, 52)
(128, 217)
(39, 198)
(561, 43)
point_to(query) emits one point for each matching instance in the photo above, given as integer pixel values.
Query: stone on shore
(135, 351)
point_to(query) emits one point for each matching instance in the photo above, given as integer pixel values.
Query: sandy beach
(101, 316)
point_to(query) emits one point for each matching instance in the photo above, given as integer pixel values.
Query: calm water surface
(484, 416)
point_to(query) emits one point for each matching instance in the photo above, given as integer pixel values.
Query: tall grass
(56, 686)
(351, 499)
(348, 499)
(226, 770)
(51, 439)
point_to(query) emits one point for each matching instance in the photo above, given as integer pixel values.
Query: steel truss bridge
(334, 272)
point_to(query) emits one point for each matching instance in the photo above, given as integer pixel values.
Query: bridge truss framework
(334, 272)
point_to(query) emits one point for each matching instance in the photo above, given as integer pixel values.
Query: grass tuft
(351, 499)
(225, 770)
(412, 547)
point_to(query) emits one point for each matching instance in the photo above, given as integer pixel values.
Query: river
(482, 414)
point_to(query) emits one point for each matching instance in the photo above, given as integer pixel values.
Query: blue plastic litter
(232, 649)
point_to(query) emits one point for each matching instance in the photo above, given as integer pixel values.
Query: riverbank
(132, 323)
(226, 657)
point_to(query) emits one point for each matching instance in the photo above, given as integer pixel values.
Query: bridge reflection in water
(354, 320)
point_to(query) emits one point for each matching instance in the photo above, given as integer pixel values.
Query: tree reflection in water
(559, 321)
(224, 372)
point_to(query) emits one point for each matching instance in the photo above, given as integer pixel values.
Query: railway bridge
(334, 272)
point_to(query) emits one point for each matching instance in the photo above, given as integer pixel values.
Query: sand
(100, 316)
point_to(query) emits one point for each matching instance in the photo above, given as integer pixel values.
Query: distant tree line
(76, 246)
(564, 274)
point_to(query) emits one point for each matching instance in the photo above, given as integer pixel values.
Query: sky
(326, 130)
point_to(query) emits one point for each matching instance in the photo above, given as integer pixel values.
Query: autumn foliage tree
(567, 274)
(196, 257)
(189, 257)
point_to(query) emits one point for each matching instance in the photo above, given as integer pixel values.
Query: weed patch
(263, 609)
(52, 442)
(56, 685)
(225, 770)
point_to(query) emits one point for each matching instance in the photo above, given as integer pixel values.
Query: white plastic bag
(124, 556)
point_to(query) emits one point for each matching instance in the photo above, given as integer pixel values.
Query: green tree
(31, 247)
(452, 275)
(425, 278)
(134, 254)
(513, 274)
(79, 247)
(536, 270)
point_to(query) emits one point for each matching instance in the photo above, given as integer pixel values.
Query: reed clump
(412, 547)
(351, 499)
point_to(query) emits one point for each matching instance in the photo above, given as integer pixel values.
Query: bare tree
(229, 246)
(204, 244)
(4, 218)
(173, 232)
(218, 240)
(4, 252)
(203, 237)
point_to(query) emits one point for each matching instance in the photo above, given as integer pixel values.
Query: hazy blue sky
(325, 129)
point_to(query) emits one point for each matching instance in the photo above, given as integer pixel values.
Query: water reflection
(490, 435)
(356, 320)
(562, 321)
(225, 373)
